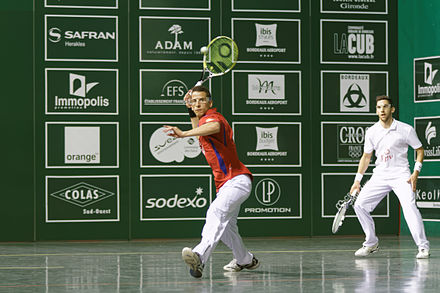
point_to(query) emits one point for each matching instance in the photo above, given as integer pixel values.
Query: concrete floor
(321, 264)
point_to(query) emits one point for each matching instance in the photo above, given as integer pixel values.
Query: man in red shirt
(233, 183)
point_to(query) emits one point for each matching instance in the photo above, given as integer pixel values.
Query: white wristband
(418, 166)
(358, 177)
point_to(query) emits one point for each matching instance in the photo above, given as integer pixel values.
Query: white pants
(221, 220)
(374, 191)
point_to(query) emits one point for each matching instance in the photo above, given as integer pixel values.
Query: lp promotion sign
(428, 197)
(175, 197)
(274, 196)
(354, 41)
(82, 198)
(268, 144)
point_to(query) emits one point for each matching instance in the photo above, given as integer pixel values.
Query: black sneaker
(192, 259)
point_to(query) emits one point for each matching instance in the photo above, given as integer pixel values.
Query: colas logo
(177, 201)
(82, 194)
(175, 30)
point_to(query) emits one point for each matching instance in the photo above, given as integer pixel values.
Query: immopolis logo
(82, 194)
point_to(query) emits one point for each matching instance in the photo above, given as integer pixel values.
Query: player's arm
(363, 165)
(420, 155)
(192, 115)
(203, 130)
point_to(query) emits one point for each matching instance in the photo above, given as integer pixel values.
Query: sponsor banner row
(343, 142)
(179, 39)
(259, 144)
(79, 91)
(167, 197)
(96, 145)
(332, 6)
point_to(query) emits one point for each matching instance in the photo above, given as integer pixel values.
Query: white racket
(342, 206)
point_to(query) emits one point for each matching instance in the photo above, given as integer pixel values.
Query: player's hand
(413, 180)
(355, 187)
(187, 97)
(173, 131)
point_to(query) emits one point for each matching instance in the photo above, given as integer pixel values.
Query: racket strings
(223, 55)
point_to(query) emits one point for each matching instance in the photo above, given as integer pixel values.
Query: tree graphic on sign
(176, 30)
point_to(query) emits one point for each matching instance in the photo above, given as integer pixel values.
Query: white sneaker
(233, 266)
(192, 259)
(423, 253)
(367, 250)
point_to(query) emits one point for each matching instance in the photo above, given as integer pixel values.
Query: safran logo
(82, 194)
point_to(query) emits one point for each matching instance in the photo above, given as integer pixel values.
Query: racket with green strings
(219, 57)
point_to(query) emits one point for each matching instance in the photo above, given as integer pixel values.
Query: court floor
(318, 264)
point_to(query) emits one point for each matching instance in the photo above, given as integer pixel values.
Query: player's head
(201, 100)
(384, 108)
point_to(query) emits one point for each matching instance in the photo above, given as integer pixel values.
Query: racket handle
(199, 83)
(353, 193)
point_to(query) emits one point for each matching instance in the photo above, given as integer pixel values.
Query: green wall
(418, 38)
(117, 194)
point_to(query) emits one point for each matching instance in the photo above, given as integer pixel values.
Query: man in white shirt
(389, 138)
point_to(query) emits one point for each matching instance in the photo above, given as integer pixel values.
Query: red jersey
(220, 151)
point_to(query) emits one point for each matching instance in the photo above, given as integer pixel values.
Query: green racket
(219, 57)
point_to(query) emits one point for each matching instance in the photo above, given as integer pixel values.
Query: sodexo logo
(430, 132)
(354, 92)
(267, 192)
(266, 35)
(175, 30)
(176, 201)
(54, 35)
(82, 194)
(264, 86)
(167, 149)
(267, 138)
(82, 144)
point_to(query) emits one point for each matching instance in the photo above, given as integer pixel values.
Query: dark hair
(383, 97)
(201, 88)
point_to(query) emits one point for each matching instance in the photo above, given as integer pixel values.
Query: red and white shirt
(220, 151)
